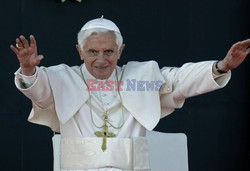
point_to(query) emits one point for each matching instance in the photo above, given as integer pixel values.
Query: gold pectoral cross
(104, 133)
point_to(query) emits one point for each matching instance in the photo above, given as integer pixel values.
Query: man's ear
(79, 50)
(120, 50)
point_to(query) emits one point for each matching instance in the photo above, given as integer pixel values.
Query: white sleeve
(37, 89)
(220, 79)
(193, 79)
(24, 81)
(189, 80)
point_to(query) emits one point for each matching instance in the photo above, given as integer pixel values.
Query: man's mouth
(101, 67)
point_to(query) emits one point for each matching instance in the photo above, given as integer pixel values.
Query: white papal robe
(61, 101)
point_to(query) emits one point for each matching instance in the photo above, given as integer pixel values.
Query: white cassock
(61, 101)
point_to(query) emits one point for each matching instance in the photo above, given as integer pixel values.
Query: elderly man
(102, 110)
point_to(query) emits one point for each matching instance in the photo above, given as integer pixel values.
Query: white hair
(83, 35)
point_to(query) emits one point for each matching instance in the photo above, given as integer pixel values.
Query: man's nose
(100, 58)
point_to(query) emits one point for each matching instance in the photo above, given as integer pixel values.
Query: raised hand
(27, 54)
(235, 56)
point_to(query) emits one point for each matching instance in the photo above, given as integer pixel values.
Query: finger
(14, 49)
(24, 41)
(38, 59)
(241, 45)
(245, 43)
(33, 42)
(19, 43)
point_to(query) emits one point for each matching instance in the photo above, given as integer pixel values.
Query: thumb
(38, 59)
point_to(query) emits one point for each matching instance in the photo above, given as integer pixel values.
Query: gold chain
(105, 115)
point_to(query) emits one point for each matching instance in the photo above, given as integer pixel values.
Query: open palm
(27, 54)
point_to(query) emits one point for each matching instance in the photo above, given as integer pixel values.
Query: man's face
(100, 54)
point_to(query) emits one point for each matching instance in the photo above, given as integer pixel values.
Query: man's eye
(108, 52)
(92, 53)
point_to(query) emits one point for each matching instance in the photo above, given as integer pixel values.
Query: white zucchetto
(101, 23)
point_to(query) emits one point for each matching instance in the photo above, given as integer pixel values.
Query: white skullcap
(100, 23)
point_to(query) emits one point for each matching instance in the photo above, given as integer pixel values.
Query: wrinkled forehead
(101, 40)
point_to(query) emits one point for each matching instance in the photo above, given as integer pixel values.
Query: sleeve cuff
(24, 80)
(220, 75)
(222, 79)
